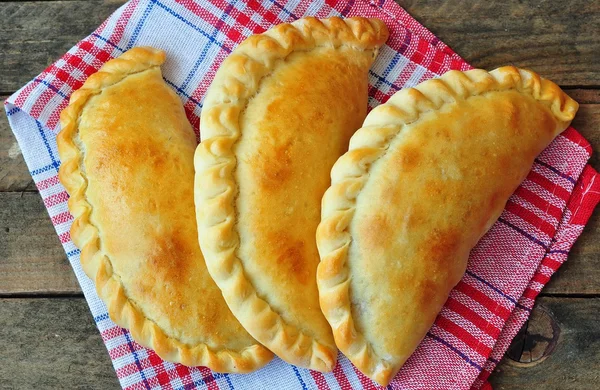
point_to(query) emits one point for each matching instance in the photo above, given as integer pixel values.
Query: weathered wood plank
(36, 33)
(587, 122)
(554, 38)
(585, 96)
(551, 37)
(575, 361)
(32, 261)
(52, 344)
(61, 347)
(14, 175)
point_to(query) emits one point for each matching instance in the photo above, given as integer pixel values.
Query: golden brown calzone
(127, 162)
(279, 112)
(425, 177)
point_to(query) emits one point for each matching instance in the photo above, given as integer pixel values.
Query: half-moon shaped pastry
(279, 112)
(127, 154)
(425, 177)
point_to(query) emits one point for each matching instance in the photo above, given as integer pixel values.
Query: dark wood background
(47, 335)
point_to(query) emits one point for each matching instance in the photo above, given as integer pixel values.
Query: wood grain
(62, 348)
(575, 360)
(52, 344)
(554, 38)
(551, 37)
(585, 96)
(587, 122)
(36, 33)
(32, 261)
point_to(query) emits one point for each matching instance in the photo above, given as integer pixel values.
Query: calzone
(279, 112)
(127, 162)
(425, 177)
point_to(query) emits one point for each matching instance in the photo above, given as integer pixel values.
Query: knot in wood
(536, 339)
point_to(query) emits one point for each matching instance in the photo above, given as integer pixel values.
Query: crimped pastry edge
(351, 172)
(85, 234)
(236, 82)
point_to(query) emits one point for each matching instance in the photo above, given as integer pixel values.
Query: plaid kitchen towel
(506, 271)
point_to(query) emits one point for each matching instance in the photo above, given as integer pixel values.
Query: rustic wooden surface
(68, 351)
(47, 335)
(553, 37)
(32, 260)
(573, 364)
(52, 344)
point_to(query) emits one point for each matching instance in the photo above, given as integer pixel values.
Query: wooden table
(47, 335)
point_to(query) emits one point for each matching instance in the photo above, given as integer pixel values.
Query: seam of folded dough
(351, 172)
(97, 265)
(240, 77)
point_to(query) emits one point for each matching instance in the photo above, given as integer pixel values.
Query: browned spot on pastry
(415, 217)
(518, 116)
(152, 205)
(426, 292)
(514, 114)
(435, 188)
(376, 229)
(443, 246)
(409, 157)
(548, 123)
(171, 253)
(273, 167)
(444, 133)
(126, 154)
(290, 255)
(170, 261)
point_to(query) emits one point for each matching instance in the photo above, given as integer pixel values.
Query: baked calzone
(279, 112)
(425, 177)
(127, 162)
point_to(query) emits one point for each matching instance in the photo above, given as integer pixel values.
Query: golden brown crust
(95, 260)
(352, 172)
(235, 85)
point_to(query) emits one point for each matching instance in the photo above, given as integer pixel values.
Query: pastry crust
(127, 152)
(425, 177)
(259, 157)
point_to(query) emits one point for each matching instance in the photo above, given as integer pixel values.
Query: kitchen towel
(506, 271)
